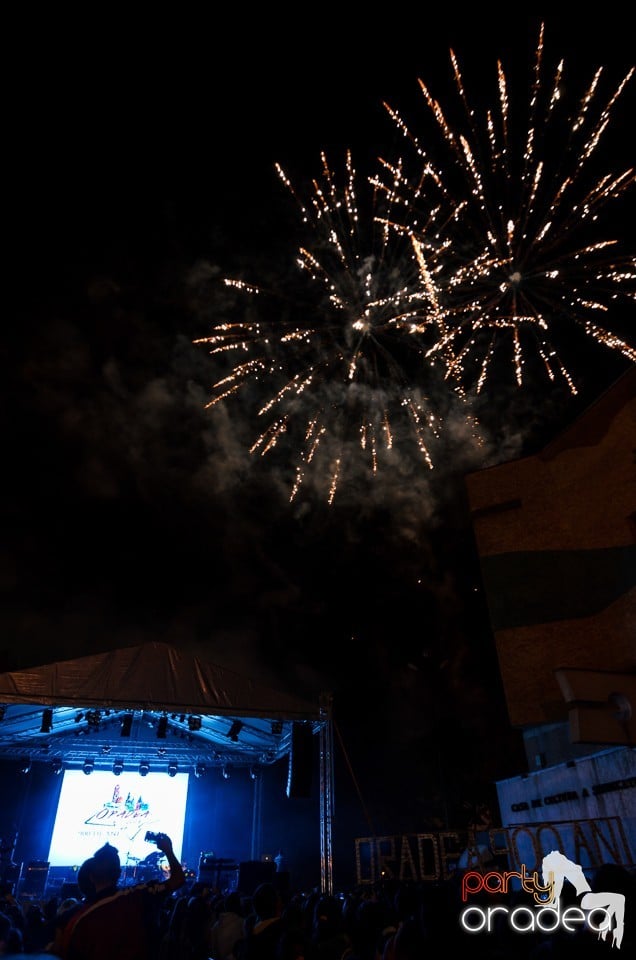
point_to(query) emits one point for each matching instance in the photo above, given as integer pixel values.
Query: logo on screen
(130, 810)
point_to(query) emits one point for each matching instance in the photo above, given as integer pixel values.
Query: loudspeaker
(223, 877)
(254, 872)
(57, 878)
(34, 878)
(300, 761)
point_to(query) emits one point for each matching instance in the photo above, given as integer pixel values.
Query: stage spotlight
(172, 769)
(126, 724)
(47, 721)
(89, 766)
(118, 767)
(144, 769)
(194, 723)
(57, 766)
(225, 773)
(162, 728)
(94, 719)
(235, 729)
(199, 771)
(26, 766)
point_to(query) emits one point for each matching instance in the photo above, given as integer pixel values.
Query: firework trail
(342, 370)
(524, 267)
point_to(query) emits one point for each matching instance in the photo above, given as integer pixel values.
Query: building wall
(586, 808)
(556, 535)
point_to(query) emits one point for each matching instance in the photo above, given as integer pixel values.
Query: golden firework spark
(523, 262)
(343, 373)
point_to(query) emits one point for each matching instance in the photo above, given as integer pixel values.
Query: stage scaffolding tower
(326, 793)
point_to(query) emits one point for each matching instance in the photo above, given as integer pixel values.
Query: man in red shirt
(122, 922)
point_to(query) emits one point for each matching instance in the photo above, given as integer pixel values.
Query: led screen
(101, 808)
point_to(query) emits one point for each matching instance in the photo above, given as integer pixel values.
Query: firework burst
(342, 370)
(525, 268)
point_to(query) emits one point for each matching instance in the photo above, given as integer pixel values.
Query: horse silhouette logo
(556, 868)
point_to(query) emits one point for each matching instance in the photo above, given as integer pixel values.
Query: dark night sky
(139, 159)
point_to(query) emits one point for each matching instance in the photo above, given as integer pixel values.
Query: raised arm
(177, 876)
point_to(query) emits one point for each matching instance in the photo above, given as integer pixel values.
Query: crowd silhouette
(173, 918)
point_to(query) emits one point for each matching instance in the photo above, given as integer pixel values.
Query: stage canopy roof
(151, 703)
